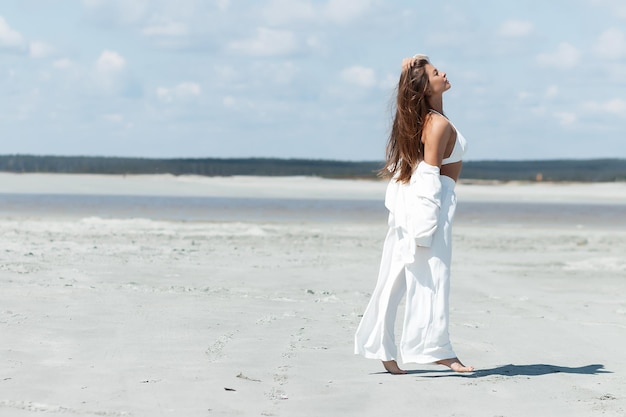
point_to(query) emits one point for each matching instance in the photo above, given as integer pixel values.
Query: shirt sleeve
(424, 203)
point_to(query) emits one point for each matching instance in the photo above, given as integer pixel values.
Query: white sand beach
(133, 316)
(296, 187)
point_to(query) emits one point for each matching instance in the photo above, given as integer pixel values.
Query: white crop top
(460, 145)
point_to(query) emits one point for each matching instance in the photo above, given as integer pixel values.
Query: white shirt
(414, 208)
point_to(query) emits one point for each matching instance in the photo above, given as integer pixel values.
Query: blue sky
(530, 79)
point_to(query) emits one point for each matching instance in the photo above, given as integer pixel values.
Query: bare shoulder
(436, 129)
(436, 135)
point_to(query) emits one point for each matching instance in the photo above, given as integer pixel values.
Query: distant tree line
(554, 170)
(596, 170)
(188, 166)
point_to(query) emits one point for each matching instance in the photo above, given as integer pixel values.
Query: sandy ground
(132, 317)
(296, 187)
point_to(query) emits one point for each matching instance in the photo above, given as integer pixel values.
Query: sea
(280, 210)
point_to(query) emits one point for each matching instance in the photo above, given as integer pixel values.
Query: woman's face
(437, 81)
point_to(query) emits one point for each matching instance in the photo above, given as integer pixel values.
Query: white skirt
(426, 283)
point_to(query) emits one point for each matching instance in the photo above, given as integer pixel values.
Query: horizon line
(276, 158)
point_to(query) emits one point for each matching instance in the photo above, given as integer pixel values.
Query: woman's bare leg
(393, 368)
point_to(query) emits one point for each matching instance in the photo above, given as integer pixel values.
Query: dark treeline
(188, 166)
(555, 170)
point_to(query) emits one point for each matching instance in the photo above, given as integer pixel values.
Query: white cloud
(515, 28)
(165, 29)
(10, 38)
(361, 76)
(611, 44)
(267, 42)
(182, 91)
(40, 49)
(110, 74)
(566, 56)
(615, 106)
(110, 62)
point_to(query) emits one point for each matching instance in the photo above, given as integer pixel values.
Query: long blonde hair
(404, 147)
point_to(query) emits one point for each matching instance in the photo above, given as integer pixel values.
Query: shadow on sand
(514, 370)
(532, 370)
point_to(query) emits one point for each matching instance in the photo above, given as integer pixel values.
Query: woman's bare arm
(436, 136)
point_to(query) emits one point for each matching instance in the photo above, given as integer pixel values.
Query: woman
(424, 162)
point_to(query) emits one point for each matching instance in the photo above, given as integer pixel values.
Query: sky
(312, 79)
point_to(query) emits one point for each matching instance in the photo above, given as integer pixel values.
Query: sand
(297, 187)
(138, 317)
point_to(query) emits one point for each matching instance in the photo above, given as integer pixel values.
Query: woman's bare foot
(393, 368)
(456, 365)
